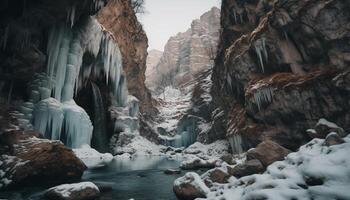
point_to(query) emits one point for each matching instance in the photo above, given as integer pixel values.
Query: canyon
(250, 102)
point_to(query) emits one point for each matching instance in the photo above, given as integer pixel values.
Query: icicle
(10, 94)
(236, 144)
(71, 15)
(48, 118)
(260, 49)
(5, 38)
(263, 95)
(77, 125)
(235, 15)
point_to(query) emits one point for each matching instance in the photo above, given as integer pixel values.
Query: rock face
(77, 191)
(281, 67)
(27, 160)
(153, 59)
(188, 53)
(119, 18)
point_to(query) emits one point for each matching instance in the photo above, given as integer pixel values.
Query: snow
(67, 189)
(327, 123)
(139, 146)
(194, 180)
(92, 158)
(290, 179)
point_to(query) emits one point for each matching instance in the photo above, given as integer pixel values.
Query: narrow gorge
(165, 100)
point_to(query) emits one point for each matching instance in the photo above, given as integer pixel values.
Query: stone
(77, 191)
(198, 163)
(248, 168)
(172, 171)
(190, 187)
(267, 152)
(228, 158)
(216, 175)
(324, 127)
(333, 139)
(28, 159)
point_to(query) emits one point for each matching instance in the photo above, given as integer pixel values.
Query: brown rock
(248, 168)
(267, 152)
(333, 139)
(27, 159)
(216, 175)
(78, 191)
(228, 158)
(190, 187)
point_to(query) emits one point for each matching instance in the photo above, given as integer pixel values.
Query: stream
(139, 178)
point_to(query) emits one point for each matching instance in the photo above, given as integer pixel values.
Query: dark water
(141, 178)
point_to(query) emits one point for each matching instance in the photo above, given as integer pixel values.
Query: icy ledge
(316, 171)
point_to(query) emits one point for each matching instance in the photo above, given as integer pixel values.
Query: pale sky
(165, 18)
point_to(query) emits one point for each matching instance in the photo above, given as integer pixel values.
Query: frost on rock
(91, 157)
(66, 190)
(316, 171)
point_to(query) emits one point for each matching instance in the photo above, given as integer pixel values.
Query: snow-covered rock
(77, 191)
(190, 186)
(91, 157)
(316, 171)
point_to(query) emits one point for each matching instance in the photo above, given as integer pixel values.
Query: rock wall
(188, 53)
(119, 18)
(280, 67)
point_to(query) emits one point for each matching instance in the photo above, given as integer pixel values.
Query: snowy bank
(316, 171)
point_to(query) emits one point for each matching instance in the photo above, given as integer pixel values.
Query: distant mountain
(187, 53)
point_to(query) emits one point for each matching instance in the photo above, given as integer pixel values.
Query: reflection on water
(139, 178)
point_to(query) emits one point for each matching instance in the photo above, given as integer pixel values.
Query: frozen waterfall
(51, 107)
(99, 137)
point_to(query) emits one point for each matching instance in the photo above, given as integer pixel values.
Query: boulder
(172, 171)
(77, 191)
(267, 152)
(333, 139)
(216, 175)
(248, 168)
(27, 159)
(228, 158)
(190, 187)
(323, 127)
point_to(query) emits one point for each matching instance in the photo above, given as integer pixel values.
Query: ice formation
(263, 95)
(260, 49)
(236, 144)
(51, 107)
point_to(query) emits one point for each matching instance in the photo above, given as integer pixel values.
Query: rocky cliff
(119, 18)
(188, 53)
(281, 66)
(153, 59)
